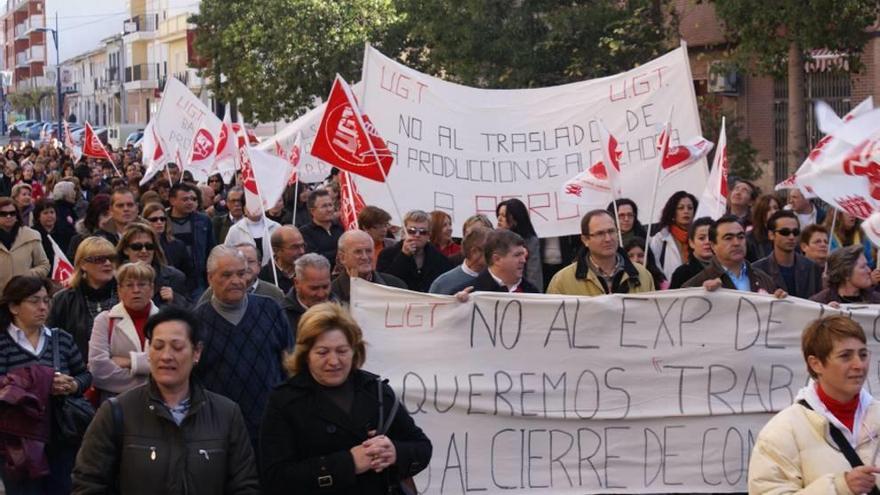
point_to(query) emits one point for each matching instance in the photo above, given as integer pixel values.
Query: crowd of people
(217, 344)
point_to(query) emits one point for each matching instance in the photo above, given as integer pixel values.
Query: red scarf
(845, 412)
(681, 237)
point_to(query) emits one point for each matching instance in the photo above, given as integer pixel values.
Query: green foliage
(763, 30)
(28, 101)
(741, 155)
(277, 55)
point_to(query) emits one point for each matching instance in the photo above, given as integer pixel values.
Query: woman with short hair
(297, 447)
(441, 234)
(117, 347)
(798, 450)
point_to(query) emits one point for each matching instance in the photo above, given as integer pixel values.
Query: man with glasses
(729, 268)
(194, 230)
(235, 212)
(602, 268)
(790, 270)
(322, 233)
(414, 260)
(287, 247)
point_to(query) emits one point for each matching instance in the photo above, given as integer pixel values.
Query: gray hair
(417, 216)
(841, 263)
(220, 251)
(64, 190)
(349, 234)
(248, 243)
(310, 260)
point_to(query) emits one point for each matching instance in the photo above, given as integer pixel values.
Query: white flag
(154, 156)
(713, 202)
(271, 174)
(62, 269)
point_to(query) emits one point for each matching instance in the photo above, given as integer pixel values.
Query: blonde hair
(317, 320)
(140, 228)
(90, 246)
(135, 271)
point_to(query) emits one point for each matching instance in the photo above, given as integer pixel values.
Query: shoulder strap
(116, 412)
(843, 444)
(56, 353)
(385, 425)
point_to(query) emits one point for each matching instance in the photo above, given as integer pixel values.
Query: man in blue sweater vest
(246, 338)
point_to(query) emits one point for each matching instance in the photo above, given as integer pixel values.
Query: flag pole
(351, 197)
(295, 200)
(830, 238)
(266, 236)
(617, 220)
(668, 131)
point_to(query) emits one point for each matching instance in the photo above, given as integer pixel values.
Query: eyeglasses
(140, 246)
(788, 232)
(416, 231)
(100, 259)
(38, 300)
(604, 233)
(7, 214)
(139, 284)
(157, 219)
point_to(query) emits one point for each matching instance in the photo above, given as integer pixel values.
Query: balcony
(35, 22)
(21, 59)
(142, 76)
(36, 53)
(140, 28)
(21, 30)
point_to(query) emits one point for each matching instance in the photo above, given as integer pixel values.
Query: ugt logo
(863, 161)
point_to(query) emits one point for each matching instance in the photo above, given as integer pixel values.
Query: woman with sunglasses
(140, 243)
(21, 248)
(173, 249)
(92, 290)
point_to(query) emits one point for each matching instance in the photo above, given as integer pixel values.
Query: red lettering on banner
(413, 315)
(534, 205)
(401, 86)
(637, 85)
(576, 214)
(535, 202)
(856, 206)
(863, 162)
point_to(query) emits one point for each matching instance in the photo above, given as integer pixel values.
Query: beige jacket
(107, 376)
(26, 257)
(794, 453)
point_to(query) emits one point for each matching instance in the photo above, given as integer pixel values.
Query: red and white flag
(70, 145)
(602, 177)
(350, 200)
(226, 160)
(154, 156)
(347, 139)
(94, 148)
(294, 157)
(680, 157)
(713, 202)
(829, 146)
(62, 269)
(270, 177)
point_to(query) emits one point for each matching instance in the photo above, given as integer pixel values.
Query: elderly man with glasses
(602, 267)
(414, 260)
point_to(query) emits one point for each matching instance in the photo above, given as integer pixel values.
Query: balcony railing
(143, 23)
(20, 29)
(21, 58)
(36, 53)
(36, 22)
(142, 72)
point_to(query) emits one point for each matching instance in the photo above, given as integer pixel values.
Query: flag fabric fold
(351, 202)
(154, 156)
(713, 202)
(602, 177)
(94, 148)
(62, 269)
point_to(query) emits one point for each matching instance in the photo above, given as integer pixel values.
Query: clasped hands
(376, 454)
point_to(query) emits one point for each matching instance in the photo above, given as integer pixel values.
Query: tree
(741, 154)
(775, 38)
(28, 101)
(276, 56)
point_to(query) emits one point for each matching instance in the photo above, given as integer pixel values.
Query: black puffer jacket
(305, 439)
(210, 452)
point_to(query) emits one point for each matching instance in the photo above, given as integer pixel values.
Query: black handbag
(406, 486)
(71, 415)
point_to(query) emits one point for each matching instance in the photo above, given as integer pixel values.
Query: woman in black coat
(322, 431)
(140, 243)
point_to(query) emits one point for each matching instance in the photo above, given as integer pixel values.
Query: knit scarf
(681, 238)
(843, 411)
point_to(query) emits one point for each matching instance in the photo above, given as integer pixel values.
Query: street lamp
(58, 95)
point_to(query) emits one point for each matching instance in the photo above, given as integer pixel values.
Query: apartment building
(24, 45)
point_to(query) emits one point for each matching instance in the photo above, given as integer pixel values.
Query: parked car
(20, 126)
(79, 134)
(33, 131)
(118, 132)
(48, 131)
(134, 138)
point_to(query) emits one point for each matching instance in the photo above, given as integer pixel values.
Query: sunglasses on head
(140, 246)
(100, 259)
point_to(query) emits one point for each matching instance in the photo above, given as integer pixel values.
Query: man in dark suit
(221, 223)
(505, 259)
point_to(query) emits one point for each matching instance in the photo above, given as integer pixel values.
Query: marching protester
(255, 229)
(171, 434)
(505, 253)
(848, 279)
(629, 224)
(333, 426)
(311, 286)
(287, 246)
(249, 335)
(356, 258)
(92, 290)
(729, 268)
(414, 260)
(758, 243)
(740, 199)
(462, 276)
(252, 282)
(24, 201)
(808, 213)
(123, 211)
(322, 233)
(234, 212)
(670, 244)
(791, 271)
(40, 367)
(848, 232)
(514, 216)
(48, 224)
(375, 221)
(139, 242)
(441, 234)
(194, 230)
(635, 251)
(601, 267)
(96, 214)
(814, 243)
(117, 346)
(700, 249)
(826, 441)
(21, 248)
(174, 250)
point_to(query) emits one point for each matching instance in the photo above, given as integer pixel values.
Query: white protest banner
(310, 169)
(523, 394)
(462, 150)
(183, 122)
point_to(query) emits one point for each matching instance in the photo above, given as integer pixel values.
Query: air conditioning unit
(723, 78)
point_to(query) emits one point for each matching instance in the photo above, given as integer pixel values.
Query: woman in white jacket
(795, 451)
(117, 347)
(670, 244)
